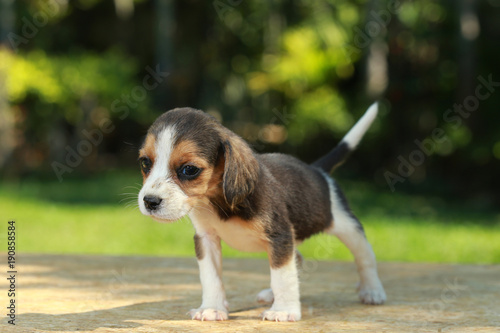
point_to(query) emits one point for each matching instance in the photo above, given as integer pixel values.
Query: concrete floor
(58, 293)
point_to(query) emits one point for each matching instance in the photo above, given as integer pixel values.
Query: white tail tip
(354, 136)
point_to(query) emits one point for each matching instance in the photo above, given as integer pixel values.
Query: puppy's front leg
(284, 281)
(208, 253)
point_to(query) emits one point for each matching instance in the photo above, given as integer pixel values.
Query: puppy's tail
(349, 142)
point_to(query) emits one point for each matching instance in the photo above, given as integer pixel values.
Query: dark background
(289, 76)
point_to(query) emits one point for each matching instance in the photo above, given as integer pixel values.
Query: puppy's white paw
(281, 315)
(265, 296)
(372, 295)
(208, 314)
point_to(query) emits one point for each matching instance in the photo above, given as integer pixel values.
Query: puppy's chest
(241, 235)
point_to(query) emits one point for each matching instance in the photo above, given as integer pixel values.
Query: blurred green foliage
(59, 84)
(307, 69)
(55, 97)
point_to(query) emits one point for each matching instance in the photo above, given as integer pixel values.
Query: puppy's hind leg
(350, 231)
(265, 296)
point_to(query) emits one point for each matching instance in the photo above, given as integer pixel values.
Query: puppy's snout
(152, 202)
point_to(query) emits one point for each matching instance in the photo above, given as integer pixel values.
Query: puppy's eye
(145, 164)
(188, 172)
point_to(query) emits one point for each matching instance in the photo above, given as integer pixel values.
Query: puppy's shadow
(123, 317)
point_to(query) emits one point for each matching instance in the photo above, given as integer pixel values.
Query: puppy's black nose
(151, 202)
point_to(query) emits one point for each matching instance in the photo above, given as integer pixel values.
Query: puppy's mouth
(162, 215)
(165, 218)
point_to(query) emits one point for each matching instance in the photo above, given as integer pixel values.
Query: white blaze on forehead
(163, 148)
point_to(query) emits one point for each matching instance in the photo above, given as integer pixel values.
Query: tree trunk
(164, 36)
(376, 66)
(6, 117)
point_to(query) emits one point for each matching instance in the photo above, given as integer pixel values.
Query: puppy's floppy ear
(241, 169)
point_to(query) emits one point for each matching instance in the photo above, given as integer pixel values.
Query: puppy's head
(188, 158)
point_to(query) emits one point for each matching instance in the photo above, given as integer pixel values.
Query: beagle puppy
(193, 166)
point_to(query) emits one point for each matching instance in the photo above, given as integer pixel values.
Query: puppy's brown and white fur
(194, 166)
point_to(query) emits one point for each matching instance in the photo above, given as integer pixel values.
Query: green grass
(86, 216)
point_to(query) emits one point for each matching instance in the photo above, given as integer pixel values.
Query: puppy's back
(306, 193)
